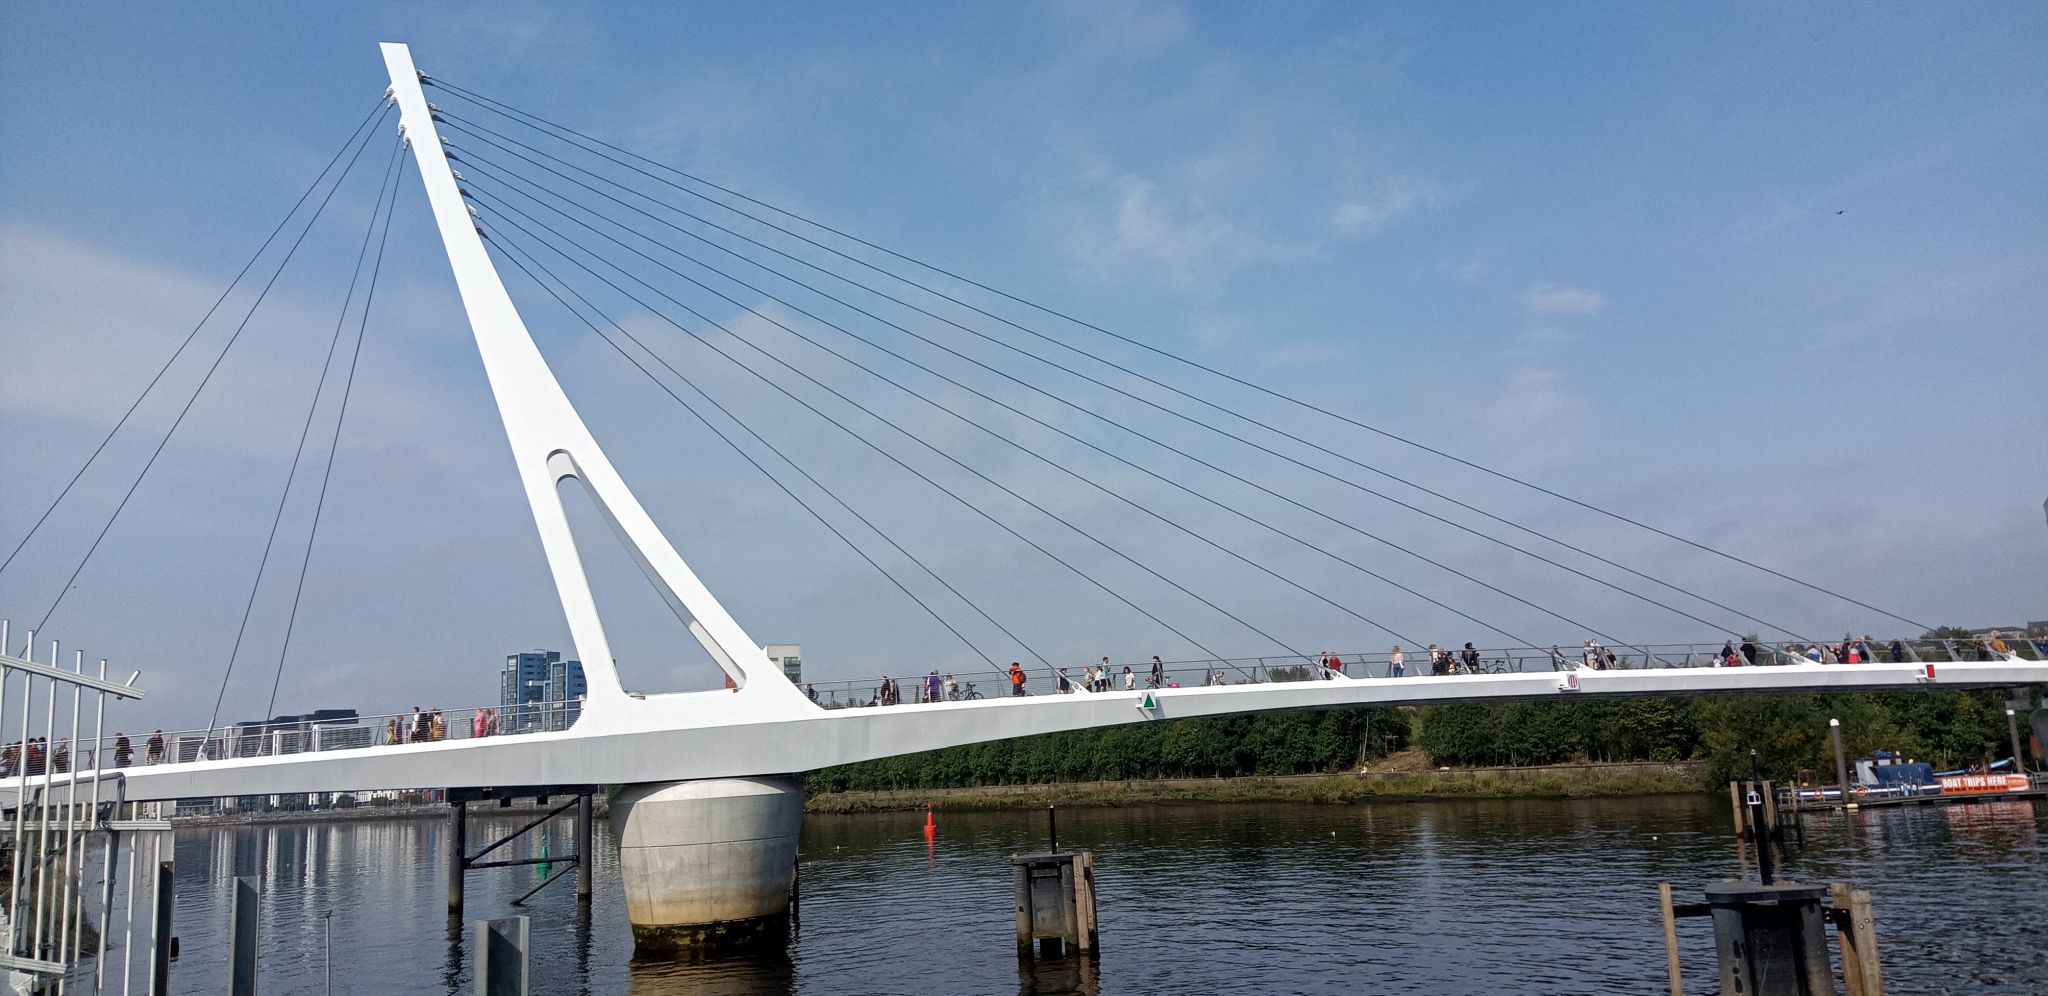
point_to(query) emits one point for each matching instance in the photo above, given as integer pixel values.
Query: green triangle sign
(1148, 703)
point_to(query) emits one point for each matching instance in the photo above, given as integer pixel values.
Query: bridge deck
(719, 734)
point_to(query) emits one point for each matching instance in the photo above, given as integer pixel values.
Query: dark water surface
(1434, 897)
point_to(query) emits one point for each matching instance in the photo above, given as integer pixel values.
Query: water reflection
(760, 972)
(1058, 977)
(1462, 896)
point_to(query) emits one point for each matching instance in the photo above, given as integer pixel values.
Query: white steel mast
(551, 444)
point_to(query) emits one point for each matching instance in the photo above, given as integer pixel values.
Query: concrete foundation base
(707, 864)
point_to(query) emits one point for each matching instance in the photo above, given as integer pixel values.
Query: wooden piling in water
(1055, 902)
(1856, 935)
(1746, 816)
(1670, 938)
(1770, 940)
(458, 853)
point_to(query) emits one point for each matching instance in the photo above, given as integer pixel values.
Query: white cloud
(1185, 242)
(1125, 27)
(1479, 265)
(1393, 197)
(1551, 299)
(1548, 335)
(1537, 415)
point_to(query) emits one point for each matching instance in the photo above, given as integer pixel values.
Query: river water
(1432, 897)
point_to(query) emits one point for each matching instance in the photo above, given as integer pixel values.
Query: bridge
(710, 813)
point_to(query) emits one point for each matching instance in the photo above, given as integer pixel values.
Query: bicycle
(966, 694)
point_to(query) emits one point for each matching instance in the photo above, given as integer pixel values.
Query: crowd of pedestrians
(1434, 660)
(35, 756)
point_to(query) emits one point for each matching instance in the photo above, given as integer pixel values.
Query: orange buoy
(931, 829)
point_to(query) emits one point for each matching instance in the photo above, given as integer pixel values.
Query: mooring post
(501, 956)
(1768, 824)
(1085, 928)
(1052, 826)
(1670, 938)
(245, 916)
(2012, 727)
(1055, 902)
(1864, 928)
(1845, 939)
(585, 858)
(1856, 936)
(458, 853)
(1841, 764)
(1770, 940)
(1020, 877)
(1759, 835)
(160, 938)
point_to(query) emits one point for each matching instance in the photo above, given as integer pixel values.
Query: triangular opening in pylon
(653, 649)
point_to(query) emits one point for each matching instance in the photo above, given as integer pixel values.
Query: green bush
(1287, 743)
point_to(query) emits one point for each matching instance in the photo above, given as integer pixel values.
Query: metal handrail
(995, 684)
(260, 739)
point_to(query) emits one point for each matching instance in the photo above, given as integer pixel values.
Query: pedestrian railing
(122, 750)
(68, 840)
(1416, 662)
(284, 737)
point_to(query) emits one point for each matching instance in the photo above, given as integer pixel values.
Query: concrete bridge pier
(708, 863)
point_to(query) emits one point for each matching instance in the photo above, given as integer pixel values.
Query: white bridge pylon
(767, 726)
(550, 445)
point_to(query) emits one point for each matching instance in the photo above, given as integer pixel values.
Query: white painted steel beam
(671, 739)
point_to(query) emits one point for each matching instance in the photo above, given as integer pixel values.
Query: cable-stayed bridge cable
(382, 105)
(485, 197)
(473, 160)
(1085, 480)
(196, 391)
(1112, 493)
(334, 442)
(892, 457)
(521, 259)
(305, 431)
(551, 128)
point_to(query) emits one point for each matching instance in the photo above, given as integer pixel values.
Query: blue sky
(1768, 275)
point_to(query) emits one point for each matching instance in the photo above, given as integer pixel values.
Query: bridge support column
(707, 863)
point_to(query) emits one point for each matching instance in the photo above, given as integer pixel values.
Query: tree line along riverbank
(1716, 734)
(1392, 782)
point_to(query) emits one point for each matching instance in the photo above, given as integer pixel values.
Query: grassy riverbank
(1401, 779)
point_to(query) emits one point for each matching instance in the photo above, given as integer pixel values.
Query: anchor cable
(549, 128)
(189, 336)
(334, 442)
(210, 371)
(305, 431)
